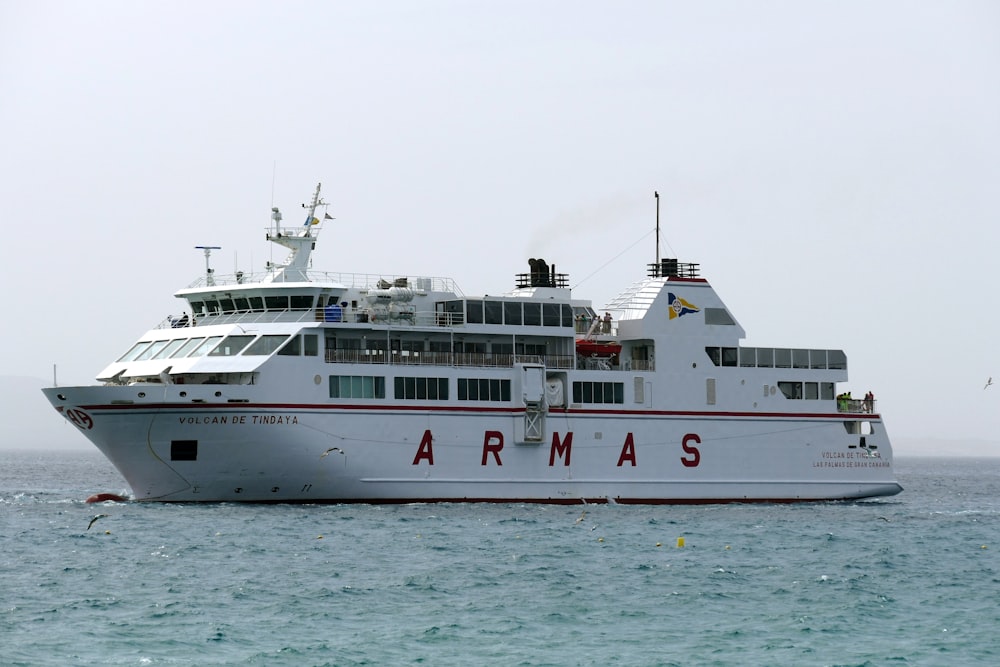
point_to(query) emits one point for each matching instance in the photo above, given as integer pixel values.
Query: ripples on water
(909, 580)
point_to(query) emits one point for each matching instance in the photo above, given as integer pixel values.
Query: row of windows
(357, 386)
(469, 389)
(776, 357)
(223, 346)
(806, 390)
(598, 392)
(241, 304)
(434, 389)
(483, 390)
(528, 313)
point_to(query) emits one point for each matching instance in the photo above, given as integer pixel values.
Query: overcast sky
(833, 166)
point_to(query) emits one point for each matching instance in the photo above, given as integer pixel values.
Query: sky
(832, 165)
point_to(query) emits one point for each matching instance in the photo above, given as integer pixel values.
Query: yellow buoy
(680, 542)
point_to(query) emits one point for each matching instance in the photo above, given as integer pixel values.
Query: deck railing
(482, 360)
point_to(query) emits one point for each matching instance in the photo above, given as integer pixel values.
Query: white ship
(301, 386)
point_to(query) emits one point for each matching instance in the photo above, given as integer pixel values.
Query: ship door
(532, 377)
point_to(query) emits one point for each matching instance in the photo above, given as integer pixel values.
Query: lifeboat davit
(597, 348)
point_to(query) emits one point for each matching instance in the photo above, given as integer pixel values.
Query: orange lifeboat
(597, 348)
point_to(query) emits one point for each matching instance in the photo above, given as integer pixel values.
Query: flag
(327, 216)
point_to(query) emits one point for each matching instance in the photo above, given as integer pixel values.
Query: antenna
(657, 195)
(209, 280)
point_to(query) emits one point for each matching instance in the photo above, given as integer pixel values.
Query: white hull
(257, 453)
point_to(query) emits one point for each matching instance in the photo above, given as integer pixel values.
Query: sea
(908, 580)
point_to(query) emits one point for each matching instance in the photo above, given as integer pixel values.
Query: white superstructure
(299, 386)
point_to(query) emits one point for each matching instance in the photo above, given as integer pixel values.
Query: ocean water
(908, 580)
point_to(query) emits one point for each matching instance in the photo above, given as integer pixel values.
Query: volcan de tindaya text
(295, 385)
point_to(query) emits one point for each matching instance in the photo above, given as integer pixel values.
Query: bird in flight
(94, 520)
(989, 382)
(332, 449)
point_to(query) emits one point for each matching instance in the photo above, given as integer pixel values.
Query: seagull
(332, 449)
(989, 381)
(582, 516)
(94, 520)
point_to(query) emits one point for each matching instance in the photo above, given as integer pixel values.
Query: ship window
(598, 392)
(567, 315)
(812, 391)
(502, 348)
(512, 312)
(183, 450)
(836, 359)
(440, 346)
(256, 303)
(483, 389)
(231, 346)
(197, 307)
(536, 349)
(302, 301)
(826, 391)
(265, 345)
(292, 349)
(206, 346)
(729, 356)
(715, 354)
(718, 316)
(791, 389)
(151, 350)
(782, 358)
(276, 302)
(748, 357)
(242, 303)
(212, 307)
(533, 314)
(551, 314)
(765, 357)
(135, 351)
(493, 312)
(474, 312)
(817, 358)
(310, 345)
(168, 351)
(227, 305)
(800, 358)
(187, 347)
(357, 386)
(454, 312)
(421, 388)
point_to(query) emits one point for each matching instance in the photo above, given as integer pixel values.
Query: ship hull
(312, 453)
